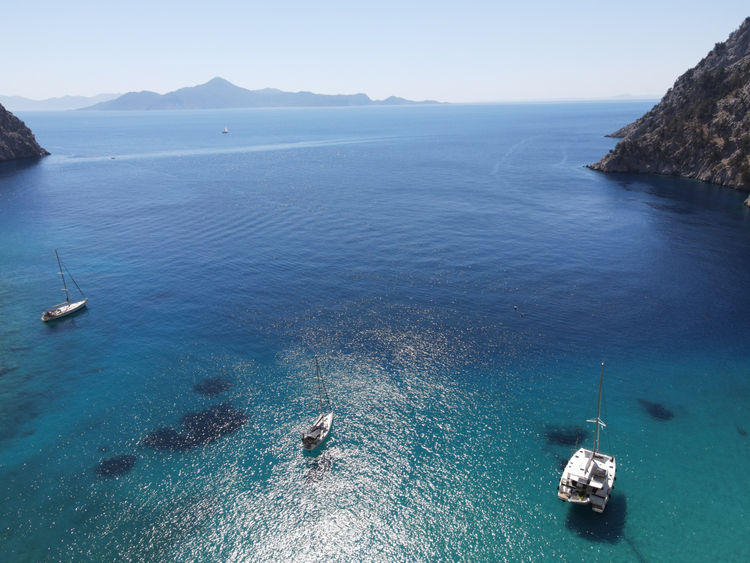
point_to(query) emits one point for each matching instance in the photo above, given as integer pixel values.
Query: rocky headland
(17, 140)
(701, 127)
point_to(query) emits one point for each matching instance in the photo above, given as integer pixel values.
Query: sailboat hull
(317, 433)
(63, 310)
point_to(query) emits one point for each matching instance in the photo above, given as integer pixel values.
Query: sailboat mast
(598, 412)
(320, 390)
(65, 287)
(325, 402)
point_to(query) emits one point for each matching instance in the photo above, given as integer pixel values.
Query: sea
(459, 275)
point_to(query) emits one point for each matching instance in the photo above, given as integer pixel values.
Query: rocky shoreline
(16, 140)
(701, 127)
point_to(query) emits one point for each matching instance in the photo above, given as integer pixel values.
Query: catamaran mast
(65, 287)
(598, 422)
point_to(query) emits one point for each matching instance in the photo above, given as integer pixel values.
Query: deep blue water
(460, 275)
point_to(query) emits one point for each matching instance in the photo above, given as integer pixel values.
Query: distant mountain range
(19, 103)
(221, 94)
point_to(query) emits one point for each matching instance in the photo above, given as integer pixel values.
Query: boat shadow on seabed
(318, 468)
(607, 527)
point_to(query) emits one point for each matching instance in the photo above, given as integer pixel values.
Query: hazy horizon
(481, 52)
(113, 95)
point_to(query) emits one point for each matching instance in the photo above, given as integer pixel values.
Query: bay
(460, 275)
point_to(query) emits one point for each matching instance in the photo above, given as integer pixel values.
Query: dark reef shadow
(212, 423)
(115, 466)
(165, 439)
(606, 527)
(561, 435)
(657, 411)
(5, 371)
(212, 386)
(199, 428)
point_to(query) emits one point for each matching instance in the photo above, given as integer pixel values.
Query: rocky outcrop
(701, 127)
(17, 140)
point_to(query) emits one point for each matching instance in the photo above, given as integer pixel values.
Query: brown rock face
(701, 127)
(17, 140)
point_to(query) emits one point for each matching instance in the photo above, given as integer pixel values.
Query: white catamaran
(589, 476)
(318, 432)
(68, 307)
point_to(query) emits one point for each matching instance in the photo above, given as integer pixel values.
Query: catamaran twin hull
(588, 481)
(63, 310)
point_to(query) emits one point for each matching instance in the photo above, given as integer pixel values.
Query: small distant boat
(319, 430)
(589, 476)
(225, 131)
(68, 307)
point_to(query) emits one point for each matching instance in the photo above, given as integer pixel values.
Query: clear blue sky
(471, 51)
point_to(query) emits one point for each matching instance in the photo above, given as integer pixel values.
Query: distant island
(16, 140)
(62, 103)
(222, 94)
(701, 127)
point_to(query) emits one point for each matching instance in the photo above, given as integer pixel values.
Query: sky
(451, 51)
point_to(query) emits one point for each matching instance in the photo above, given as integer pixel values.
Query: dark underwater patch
(5, 371)
(200, 428)
(606, 527)
(211, 424)
(212, 386)
(657, 411)
(165, 439)
(741, 431)
(115, 466)
(560, 435)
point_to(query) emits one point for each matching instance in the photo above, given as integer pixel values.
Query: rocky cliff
(701, 127)
(17, 140)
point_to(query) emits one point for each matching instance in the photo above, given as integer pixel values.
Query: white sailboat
(319, 430)
(68, 307)
(225, 131)
(589, 476)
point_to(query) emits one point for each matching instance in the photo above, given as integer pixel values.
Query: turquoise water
(459, 274)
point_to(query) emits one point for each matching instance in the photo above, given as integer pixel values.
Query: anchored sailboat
(318, 432)
(589, 476)
(68, 307)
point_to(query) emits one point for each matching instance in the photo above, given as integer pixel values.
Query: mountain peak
(219, 93)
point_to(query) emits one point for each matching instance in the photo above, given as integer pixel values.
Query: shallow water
(460, 276)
